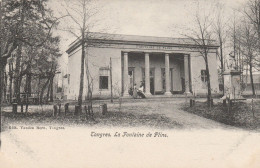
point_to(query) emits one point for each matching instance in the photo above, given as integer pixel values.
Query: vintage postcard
(130, 83)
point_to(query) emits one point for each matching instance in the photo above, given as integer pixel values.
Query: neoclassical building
(166, 66)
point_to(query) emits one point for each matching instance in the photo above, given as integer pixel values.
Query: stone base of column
(148, 94)
(168, 94)
(188, 93)
(126, 95)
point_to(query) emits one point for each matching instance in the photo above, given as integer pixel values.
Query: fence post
(89, 110)
(104, 108)
(225, 102)
(77, 110)
(211, 102)
(14, 107)
(191, 103)
(22, 107)
(66, 108)
(55, 110)
(252, 107)
(59, 109)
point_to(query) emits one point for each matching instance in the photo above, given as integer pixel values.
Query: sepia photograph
(129, 83)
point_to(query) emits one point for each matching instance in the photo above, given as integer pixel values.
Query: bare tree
(82, 12)
(248, 40)
(79, 14)
(202, 36)
(252, 11)
(220, 29)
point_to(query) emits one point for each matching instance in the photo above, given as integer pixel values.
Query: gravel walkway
(172, 109)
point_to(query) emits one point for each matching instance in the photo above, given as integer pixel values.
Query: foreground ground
(242, 114)
(159, 113)
(80, 143)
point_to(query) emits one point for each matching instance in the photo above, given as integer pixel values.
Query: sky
(163, 18)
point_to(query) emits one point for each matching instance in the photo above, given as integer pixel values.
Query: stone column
(147, 75)
(187, 74)
(125, 76)
(167, 75)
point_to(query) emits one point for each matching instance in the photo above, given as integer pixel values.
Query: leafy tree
(27, 23)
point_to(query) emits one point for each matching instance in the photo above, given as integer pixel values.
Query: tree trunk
(48, 92)
(82, 71)
(5, 87)
(43, 89)
(88, 79)
(28, 87)
(208, 79)
(2, 68)
(222, 65)
(19, 82)
(18, 59)
(29, 90)
(39, 82)
(246, 74)
(10, 82)
(87, 74)
(51, 88)
(17, 74)
(251, 79)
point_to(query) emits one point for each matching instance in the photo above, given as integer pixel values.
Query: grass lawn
(241, 114)
(110, 119)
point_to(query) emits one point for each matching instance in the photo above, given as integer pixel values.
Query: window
(103, 78)
(204, 77)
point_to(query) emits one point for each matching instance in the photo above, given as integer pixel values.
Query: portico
(166, 66)
(160, 76)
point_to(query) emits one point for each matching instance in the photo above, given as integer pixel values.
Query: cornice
(97, 42)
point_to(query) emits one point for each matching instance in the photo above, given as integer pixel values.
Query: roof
(135, 39)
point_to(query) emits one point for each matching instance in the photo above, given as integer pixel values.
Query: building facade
(166, 66)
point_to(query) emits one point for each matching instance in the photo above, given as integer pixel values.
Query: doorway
(131, 77)
(152, 81)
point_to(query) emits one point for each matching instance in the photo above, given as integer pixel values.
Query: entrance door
(152, 81)
(131, 76)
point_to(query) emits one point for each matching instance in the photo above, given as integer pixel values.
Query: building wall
(74, 74)
(198, 64)
(100, 57)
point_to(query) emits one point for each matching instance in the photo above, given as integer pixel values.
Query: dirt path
(171, 109)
